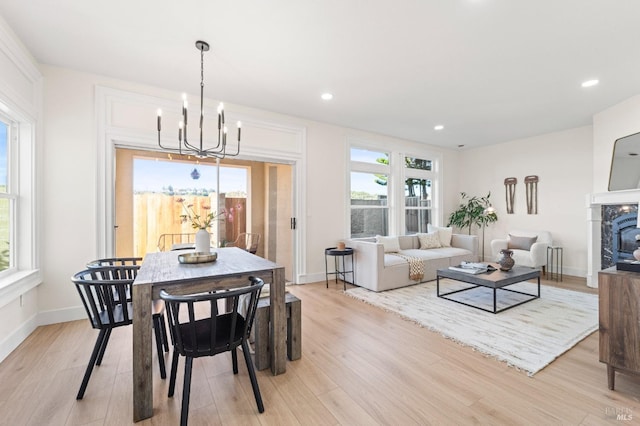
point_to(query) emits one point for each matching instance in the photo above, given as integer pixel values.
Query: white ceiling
(490, 71)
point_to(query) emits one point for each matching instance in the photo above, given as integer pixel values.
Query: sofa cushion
(391, 244)
(424, 254)
(451, 252)
(429, 240)
(391, 260)
(521, 243)
(408, 242)
(444, 233)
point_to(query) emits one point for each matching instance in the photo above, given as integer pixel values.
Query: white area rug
(528, 337)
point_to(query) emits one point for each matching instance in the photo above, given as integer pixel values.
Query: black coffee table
(495, 280)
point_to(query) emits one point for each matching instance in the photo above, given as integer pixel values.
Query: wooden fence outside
(156, 214)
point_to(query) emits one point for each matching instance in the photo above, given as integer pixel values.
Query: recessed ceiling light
(590, 83)
(438, 127)
(326, 96)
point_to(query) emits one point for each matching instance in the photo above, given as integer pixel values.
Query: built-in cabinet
(619, 304)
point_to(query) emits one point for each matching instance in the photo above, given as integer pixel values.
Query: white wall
(72, 185)
(562, 162)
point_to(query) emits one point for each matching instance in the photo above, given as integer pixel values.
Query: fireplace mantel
(631, 196)
(594, 205)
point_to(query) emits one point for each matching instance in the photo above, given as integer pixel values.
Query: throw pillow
(521, 243)
(429, 240)
(391, 244)
(444, 233)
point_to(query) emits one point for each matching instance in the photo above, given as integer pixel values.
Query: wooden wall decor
(531, 183)
(510, 192)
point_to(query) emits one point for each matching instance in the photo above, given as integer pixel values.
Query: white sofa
(379, 271)
(534, 257)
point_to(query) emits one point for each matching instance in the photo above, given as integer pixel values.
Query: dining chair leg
(92, 362)
(234, 360)
(174, 369)
(103, 346)
(159, 344)
(163, 328)
(186, 391)
(252, 376)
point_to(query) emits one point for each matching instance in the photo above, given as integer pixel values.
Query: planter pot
(203, 241)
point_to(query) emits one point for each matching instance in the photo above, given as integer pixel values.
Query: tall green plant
(472, 211)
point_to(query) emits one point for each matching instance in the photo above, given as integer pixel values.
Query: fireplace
(602, 209)
(618, 233)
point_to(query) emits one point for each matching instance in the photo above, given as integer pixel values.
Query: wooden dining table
(162, 270)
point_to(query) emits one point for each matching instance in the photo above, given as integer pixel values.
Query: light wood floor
(360, 366)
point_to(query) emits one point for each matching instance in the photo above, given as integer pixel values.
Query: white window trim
(26, 274)
(432, 175)
(397, 176)
(110, 136)
(374, 168)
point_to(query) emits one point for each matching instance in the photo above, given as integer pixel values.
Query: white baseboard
(14, 340)
(18, 336)
(61, 315)
(311, 278)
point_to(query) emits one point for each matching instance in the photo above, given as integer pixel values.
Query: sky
(153, 175)
(365, 181)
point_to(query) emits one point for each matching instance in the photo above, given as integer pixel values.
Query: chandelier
(184, 145)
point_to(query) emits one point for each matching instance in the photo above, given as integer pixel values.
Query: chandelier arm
(190, 147)
(231, 154)
(174, 150)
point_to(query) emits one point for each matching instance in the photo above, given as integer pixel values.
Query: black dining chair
(106, 297)
(115, 261)
(200, 326)
(159, 327)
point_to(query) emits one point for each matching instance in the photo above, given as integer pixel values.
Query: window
(369, 193)
(162, 189)
(417, 194)
(378, 183)
(7, 198)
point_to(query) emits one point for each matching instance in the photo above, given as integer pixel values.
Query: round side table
(337, 254)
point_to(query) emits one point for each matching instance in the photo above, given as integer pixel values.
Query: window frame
(372, 168)
(25, 273)
(11, 194)
(412, 173)
(397, 174)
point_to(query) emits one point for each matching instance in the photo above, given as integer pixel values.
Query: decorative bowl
(197, 257)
